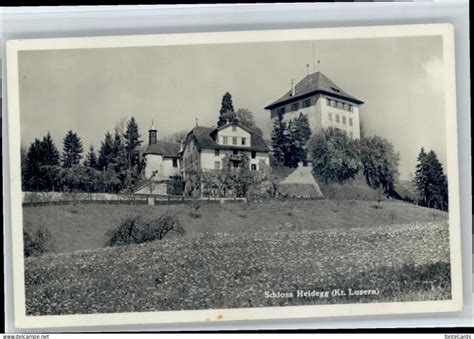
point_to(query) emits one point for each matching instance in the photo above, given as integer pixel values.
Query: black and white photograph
(242, 175)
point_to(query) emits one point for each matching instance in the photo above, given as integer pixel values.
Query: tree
(379, 162)
(226, 104)
(41, 165)
(299, 133)
(430, 181)
(119, 159)
(176, 137)
(105, 152)
(334, 156)
(280, 140)
(75, 178)
(303, 129)
(247, 119)
(72, 150)
(132, 142)
(91, 160)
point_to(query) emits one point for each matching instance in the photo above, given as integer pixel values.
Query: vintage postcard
(234, 176)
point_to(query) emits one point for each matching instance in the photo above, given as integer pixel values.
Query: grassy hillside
(222, 270)
(84, 227)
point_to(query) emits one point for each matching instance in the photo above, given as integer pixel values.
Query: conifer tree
(299, 134)
(226, 104)
(42, 165)
(72, 150)
(105, 152)
(119, 157)
(280, 140)
(431, 181)
(132, 142)
(91, 160)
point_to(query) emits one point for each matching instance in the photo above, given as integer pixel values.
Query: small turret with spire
(152, 133)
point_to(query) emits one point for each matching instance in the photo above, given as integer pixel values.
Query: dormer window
(306, 103)
(295, 106)
(335, 89)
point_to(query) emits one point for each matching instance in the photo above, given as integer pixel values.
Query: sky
(90, 91)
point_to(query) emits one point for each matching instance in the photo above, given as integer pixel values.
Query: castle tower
(323, 102)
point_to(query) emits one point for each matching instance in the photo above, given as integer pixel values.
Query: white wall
(164, 166)
(209, 158)
(239, 133)
(354, 115)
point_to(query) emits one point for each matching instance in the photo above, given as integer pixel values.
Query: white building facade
(206, 148)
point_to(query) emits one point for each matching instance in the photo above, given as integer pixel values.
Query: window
(253, 167)
(254, 155)
(344, 120)
(243, 141)
(339, 105)
(235, 152)
(337, 118)
(307, 103)
(234, 128)
(281, 110)
(350, 108)
(217, 165)
(234, 140)
(224, 140)
(328, 101)
(350, 121)
(333, 103)
(295, 106)
(175, 163)
(217, 152)
(330, 116)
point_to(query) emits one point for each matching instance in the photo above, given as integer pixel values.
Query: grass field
(84, 227)
(232, 254)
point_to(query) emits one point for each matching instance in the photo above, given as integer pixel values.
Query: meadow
(231, 255)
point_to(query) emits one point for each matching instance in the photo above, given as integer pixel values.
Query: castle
(323, 102)
(204, 148)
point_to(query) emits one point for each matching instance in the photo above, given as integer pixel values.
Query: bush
(136, 230)
(36, 243)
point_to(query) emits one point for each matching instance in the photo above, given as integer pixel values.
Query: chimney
(293, 91)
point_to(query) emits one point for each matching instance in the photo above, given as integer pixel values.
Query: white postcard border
(446, 31)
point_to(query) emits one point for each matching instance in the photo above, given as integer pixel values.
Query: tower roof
(315, 83)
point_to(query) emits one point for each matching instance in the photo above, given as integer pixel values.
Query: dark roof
(164, 148)
(316, 83)
(204, 139)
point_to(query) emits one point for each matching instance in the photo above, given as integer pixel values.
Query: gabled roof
(164, 148)
(204, 138)
(316, 83)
